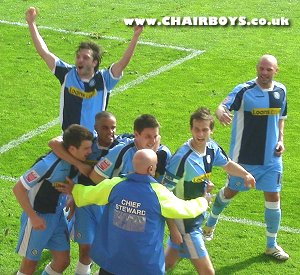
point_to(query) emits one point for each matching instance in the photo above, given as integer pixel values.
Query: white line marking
(94, 34)
(133, 83)
(27, 136)
(258, 224)
(156, 72)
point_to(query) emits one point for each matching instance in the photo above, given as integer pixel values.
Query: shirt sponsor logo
(200, 178)
(76, 92)
(32, 176)
(265, 111)
(104, 164)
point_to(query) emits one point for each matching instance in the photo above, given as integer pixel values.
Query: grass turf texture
(30, 96)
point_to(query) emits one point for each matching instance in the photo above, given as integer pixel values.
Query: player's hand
(209, 186)
(156, 143)
(84, 168)
(63, 187)
(279, 149)
(70, 207)
(31, 14)
(249, 181)
(37, 222)
(209, 197)
(224, 116)
(176, 236)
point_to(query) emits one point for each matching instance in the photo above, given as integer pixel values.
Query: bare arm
(223, 115)
(37, 40)
(22, 197)
(95, 177)
(118, 67)
(57, 147)
(234, 169)
(280, 146)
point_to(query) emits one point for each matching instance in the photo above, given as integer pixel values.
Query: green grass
(29, 98)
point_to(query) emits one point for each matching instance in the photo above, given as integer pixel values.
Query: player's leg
(27, 266)
(203, 265)
(272, 220)
(60, 261)
(171, 255)
(223, 198)
(84, 235)
(59, 246)
(193, 248)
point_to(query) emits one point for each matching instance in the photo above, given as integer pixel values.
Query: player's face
(201, 133)
(83, 151)
(84, 63)
(265, 72)
(147, 139)
(105, 128)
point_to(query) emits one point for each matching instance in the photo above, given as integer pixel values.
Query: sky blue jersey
(255, 132)
(118, 161)
(81, 101)
(187, 173)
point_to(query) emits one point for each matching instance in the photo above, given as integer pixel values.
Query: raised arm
(37, 40)
(119, 66)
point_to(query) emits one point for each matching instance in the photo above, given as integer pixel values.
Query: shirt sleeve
(175, 208)
(85, 195)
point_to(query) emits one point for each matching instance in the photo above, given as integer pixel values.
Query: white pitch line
(27, 136)
(156, 72)
(94, 34)
(258, 224)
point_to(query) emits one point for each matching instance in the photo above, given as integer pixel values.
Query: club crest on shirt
(92, 82)
(276, 95)
(32, 176)
(104, 164)
(208, 159)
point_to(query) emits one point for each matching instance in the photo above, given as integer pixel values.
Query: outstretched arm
(37, 40)
(119, 66)
(234, 169)
(57, 147)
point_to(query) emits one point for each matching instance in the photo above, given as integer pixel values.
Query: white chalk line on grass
(156, 72)
(257, 224)
(94, 34)
(122, 88)
(27, 136)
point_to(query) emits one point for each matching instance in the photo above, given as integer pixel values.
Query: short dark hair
(97, 51)
(202, 113)
(145, 121)
(104, 114)
(75, 134)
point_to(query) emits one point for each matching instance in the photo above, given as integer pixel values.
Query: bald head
(268, 59)
(144, 162)
(266, 69)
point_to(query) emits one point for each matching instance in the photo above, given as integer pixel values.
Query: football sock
(272, 220)
(218, 206)
(20, 273)
(49, 271)
(82, 269)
